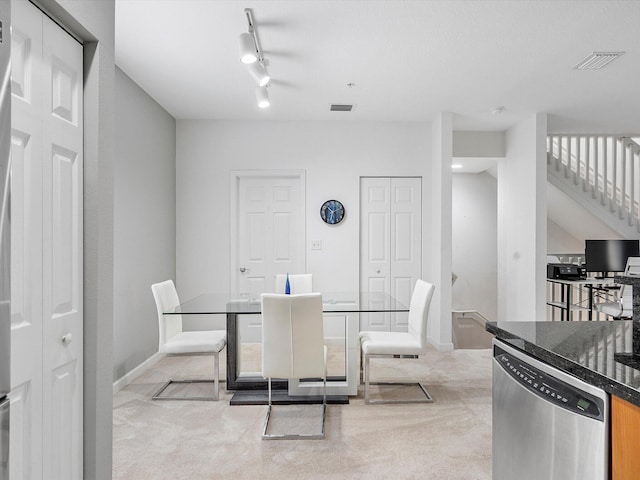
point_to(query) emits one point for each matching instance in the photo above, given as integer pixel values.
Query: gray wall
(144, 220)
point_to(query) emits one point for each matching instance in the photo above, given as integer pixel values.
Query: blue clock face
(332, 212)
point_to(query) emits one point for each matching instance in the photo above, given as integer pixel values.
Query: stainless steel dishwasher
(547, 425)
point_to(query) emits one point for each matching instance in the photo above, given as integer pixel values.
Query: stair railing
(606, 167)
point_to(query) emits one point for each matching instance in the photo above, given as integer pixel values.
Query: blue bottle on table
(287, 286)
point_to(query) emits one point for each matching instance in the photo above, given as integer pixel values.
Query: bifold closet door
(27, 105)
(390, 244)
(47, 333)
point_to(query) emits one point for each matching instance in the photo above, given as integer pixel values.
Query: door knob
(242, 269)
(67, 339)
(378, 271)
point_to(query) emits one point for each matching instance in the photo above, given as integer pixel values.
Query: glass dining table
(341, 313)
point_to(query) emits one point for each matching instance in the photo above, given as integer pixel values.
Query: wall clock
(332, 212)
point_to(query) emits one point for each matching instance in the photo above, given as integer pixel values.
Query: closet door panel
(374, 246)
(405, 242)
(62, 253)
(26, 242)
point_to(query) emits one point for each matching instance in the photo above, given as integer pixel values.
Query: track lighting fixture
(248, 53)
(262, 96)
(251, 55)
(259, 73)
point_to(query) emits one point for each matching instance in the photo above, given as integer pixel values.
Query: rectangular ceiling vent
(336, 107)
(597, 60)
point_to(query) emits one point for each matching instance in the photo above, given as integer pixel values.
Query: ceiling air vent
(597, 60)
(335, 107)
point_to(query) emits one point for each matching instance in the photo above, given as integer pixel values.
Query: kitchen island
(586, 350)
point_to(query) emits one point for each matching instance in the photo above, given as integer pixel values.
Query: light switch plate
(316, 245)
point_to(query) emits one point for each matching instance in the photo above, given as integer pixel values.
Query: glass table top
(342, 302)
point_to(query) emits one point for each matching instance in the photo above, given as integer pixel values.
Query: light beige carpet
(295, 420)
(448, 439)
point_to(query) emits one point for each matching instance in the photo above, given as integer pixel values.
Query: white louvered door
(46, 154)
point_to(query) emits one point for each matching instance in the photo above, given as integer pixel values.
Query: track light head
(251, 55)
(259, 73)
(262, 96)
(248, 51)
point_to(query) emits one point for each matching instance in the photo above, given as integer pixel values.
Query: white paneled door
(270, 236)
(390, 244)
(26, 243)
(46, 258)
(271, 231)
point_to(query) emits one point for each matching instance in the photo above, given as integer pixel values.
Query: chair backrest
(299, 283)
(166, 298)
(626, 291)
(292, 336)
(419, 311)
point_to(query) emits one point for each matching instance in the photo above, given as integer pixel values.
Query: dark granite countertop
(627, 279)
(582, 349)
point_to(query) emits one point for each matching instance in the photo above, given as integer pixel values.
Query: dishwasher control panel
(550, 388)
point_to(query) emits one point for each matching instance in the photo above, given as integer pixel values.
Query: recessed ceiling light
(497, 110)
(456, 166)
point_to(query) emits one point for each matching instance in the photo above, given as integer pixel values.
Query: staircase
(602, 174)
(468, 330)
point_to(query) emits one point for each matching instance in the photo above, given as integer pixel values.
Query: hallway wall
(144, 220)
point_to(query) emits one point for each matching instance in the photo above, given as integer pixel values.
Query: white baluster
(602, 167)
(623, 182)
(614, 174)
(632, 178)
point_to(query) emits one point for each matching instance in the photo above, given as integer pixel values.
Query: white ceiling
(407, 59)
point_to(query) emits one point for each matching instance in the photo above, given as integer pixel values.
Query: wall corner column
(522, 222)
(440, 254)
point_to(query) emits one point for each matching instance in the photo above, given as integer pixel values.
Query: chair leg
(324, 399)
(216, 385)
(369, 401)
(302, 436)
(216, 376)
(266, 421)
(366, 379)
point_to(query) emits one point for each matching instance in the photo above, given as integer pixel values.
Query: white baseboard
(442, 347)
(136, 372)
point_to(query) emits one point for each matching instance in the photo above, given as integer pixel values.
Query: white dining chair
(399, 344)
(293, 348)
(298, 283)
(173, 340)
